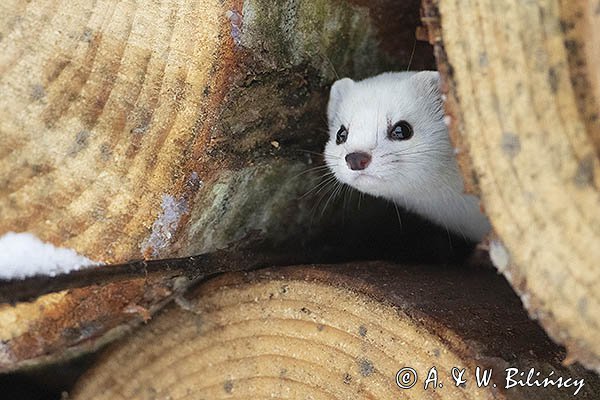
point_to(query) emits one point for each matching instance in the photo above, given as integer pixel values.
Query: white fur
(420, 173)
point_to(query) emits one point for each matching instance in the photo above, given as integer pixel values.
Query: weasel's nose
(358, 161)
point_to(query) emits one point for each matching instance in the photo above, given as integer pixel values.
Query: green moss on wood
(331, 35)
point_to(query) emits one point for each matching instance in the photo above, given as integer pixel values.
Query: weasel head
(387, 135)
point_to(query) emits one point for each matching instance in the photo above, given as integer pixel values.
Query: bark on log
(523, 88)
(135, 129)
(334, 332)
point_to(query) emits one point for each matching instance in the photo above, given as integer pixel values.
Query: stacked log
(340, 332)
(523, 89)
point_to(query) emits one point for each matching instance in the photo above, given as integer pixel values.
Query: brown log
(523, 90)
(335, 332)
(89, 308)
(133, 130)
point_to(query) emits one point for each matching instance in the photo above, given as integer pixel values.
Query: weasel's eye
(342, 135)
(401, 131)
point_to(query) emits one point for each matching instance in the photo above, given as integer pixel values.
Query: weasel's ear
(339, 89)
(426, 82)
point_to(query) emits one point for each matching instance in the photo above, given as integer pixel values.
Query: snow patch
(236, 20)
(448, 120)
(499, 255)
(24, 254)
(165, 226)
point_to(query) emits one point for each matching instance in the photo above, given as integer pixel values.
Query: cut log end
(522, 81)
(335, 332)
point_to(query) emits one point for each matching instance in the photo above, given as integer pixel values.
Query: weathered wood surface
(523, 88)
(87, 309)
(335, 332)
(136, 130)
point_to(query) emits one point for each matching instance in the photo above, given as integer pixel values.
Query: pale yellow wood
(518, 68)
(98, 101)
(340, 332)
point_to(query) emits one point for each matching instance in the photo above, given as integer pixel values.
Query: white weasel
(388, 139)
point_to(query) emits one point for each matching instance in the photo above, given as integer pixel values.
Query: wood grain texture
(523, 82)
(99, 101)
(143, 130)
(120, 121)
(333, 332)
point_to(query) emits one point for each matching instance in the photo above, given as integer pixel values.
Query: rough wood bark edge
(522, 86)
(333, 332)
(49, 319)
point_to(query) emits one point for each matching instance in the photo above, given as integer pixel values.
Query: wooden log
(332, 332)
(134, 122)
(523, 89)
(135, 130)
(101, 304)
